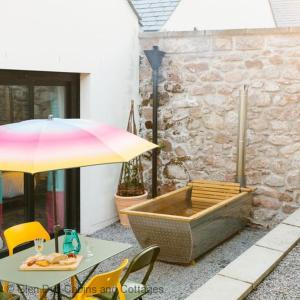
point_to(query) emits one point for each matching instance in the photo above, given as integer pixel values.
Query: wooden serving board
(54, 267)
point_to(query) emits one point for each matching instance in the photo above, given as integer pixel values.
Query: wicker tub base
(191, 221)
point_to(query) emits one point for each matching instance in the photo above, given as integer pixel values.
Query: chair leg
(5, 286)
(42, 294)
(120, 292)
(73, 284)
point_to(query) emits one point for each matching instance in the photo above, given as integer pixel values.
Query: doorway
(36, 95)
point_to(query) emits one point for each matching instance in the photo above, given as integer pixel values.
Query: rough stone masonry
(199, 85)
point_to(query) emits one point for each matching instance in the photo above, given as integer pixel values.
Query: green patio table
(49, 280)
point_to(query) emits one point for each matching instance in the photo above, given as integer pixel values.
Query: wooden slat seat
(214, 182)
(208, 193)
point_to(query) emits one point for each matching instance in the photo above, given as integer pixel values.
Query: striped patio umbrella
(44, 145)
(53, 144)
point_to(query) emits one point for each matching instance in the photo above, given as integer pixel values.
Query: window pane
(14, 107)
(44, 202)
(14, 103)
(49, 100)
(11, 200)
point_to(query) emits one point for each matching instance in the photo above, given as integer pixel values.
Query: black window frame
(72, 110)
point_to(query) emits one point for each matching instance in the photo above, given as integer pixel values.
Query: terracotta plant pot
(124, 202)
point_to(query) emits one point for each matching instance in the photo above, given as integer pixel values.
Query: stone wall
(200, 79)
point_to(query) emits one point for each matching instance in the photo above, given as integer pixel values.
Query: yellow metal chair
(7, 296)
(103, 283)
(24, 233)
(21, 234)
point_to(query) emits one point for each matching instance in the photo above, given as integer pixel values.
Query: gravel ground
(177, 281)
(284, 282)
(173, 281)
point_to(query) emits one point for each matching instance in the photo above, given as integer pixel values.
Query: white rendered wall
(96, 38)
(220, 14)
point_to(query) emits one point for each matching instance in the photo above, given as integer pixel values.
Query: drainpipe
(154, 57)
(242, 133)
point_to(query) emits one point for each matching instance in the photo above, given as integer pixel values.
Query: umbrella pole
(54, 195)
(56, 226)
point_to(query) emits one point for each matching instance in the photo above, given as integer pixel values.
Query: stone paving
(246, 272)
(283, 283)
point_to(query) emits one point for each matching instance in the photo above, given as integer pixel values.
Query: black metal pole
(154, 132)
(56, 228)
(54, 196)
(56, 225)
(154, 57)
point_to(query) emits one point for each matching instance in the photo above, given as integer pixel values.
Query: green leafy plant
(131, 174)
(131, 181)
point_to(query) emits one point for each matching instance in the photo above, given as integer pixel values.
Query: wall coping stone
(229, 32)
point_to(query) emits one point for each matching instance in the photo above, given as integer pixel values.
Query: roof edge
(135, 11)
(273, 13)
(170, 16)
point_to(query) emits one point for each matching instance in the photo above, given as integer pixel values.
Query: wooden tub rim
(132, 210)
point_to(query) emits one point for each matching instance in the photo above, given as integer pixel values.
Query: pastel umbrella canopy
(44, 145)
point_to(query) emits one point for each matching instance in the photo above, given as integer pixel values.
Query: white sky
(220, 14)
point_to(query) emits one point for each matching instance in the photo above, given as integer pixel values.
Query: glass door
(23, 197)
(14, 107)
(49, 100)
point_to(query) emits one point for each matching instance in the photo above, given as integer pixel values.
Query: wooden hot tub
(190, 221)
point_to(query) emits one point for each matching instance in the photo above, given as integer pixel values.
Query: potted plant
(131, 189)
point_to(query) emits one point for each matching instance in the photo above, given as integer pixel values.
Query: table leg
(77, 279)
(80, 285)
(54, 291)
(21, 291)
(58, 292)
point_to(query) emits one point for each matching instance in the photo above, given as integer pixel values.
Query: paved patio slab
(283, 283)
(293, 219)
(253, 265)
(220, 287)
(282, 238)
(246, 272)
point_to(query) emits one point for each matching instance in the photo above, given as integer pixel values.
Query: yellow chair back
(23, 233)
(103, 283)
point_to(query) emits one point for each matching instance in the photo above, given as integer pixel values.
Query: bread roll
(68, 261)
(42, 263)
(55, 258)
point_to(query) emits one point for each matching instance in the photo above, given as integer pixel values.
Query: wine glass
(88, 250)
(39, 246)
